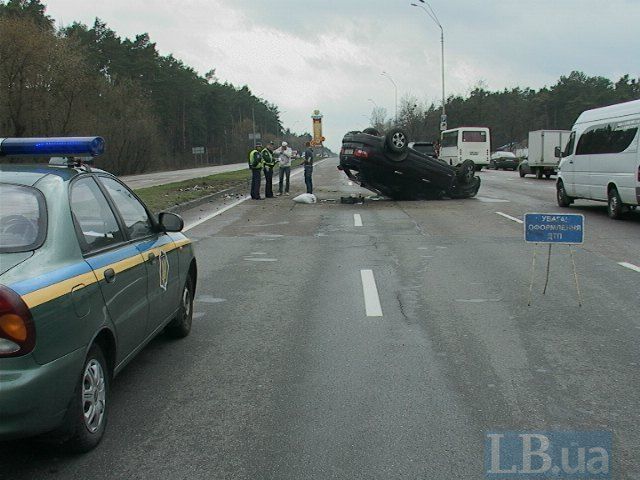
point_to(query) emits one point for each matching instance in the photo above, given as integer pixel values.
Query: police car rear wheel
(180, 326)
(88, 410)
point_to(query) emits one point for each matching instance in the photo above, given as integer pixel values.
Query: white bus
(466, 143)
(602, 159)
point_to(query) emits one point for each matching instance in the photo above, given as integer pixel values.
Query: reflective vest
(267, 158)
(255, 160)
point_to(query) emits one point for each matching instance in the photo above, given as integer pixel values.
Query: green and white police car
(88, 276)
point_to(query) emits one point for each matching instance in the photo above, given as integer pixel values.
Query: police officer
(308, 166)
(269, 162)
(255, 164)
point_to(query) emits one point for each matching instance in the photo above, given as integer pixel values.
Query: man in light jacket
(284, 154)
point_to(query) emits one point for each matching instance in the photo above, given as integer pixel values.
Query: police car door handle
(152, 258)
(109, 275)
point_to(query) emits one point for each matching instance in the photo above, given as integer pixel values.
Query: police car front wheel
(180, 326)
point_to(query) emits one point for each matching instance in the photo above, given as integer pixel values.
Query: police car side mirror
(170, 222)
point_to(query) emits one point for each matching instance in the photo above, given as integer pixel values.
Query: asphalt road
(160, 178)
(293, 371)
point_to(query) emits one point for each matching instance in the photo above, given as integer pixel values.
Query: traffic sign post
(198, 154)
(550, 228)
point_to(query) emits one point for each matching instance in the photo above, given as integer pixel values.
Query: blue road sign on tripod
(554, 228)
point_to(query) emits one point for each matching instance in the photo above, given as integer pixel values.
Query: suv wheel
(396, 140)
(466, 171)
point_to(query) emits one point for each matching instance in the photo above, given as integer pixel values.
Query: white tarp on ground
(306, 198)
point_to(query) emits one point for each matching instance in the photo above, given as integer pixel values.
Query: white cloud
(329, 54)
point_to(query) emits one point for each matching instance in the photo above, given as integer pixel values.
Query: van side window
(609, 138)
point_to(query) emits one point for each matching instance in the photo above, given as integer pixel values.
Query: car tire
(564, 200)
(371, 131)
(87, 414)
(180, 326)
(466, 171)
(615, 207)
(547, 175)
(396, 140)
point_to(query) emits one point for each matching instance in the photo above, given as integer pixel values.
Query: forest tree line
(512, 114)
(151, 109)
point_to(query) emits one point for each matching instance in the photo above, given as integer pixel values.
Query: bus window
(474, 136)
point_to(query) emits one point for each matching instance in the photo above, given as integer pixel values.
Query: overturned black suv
(386, 165)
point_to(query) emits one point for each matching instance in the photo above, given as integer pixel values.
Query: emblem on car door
(164, 270)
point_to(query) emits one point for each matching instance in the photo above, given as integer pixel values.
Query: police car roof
(29, 174)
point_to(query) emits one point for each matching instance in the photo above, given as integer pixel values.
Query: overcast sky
(329, 54)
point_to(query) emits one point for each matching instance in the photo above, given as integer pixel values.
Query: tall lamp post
(385, 74)
(434, 17)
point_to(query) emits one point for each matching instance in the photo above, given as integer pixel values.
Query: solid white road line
(630, 266)
(215, 214)
(357, 220)
(228, 207)
(371, 299)
(509, 217)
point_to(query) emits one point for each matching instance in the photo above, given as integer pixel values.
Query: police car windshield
(22, 218)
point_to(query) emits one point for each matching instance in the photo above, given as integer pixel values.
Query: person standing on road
(269, 162)
(284, 159)
(308, 166)
(255, 164)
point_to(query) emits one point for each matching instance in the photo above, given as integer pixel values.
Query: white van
(466, 143)
(602, 159)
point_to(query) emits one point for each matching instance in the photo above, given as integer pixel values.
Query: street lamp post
(434, 17)
(385, 74)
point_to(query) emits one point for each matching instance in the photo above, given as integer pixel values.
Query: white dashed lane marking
(357, 220)
(370, 291)
(630, 266)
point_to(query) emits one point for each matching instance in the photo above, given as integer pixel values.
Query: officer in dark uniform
(269, 162)
(255, 164)
(308, 166)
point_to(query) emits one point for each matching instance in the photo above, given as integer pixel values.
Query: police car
(88, 276)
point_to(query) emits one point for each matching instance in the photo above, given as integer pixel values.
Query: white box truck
(542, 152)
(602, 159)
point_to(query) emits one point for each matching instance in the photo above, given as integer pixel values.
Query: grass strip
(162, 197)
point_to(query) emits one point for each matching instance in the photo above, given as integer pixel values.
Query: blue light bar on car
(59, 146)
